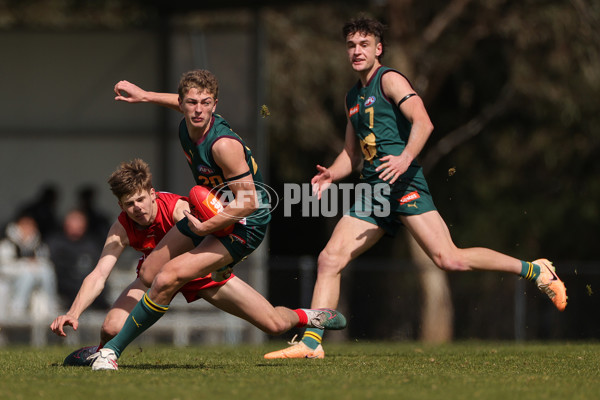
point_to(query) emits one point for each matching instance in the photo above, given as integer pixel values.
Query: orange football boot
(297, 350)
(549, 283)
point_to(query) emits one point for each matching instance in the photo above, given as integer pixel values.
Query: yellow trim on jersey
(254, 165)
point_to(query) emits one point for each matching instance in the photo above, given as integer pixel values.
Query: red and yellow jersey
(145, 239)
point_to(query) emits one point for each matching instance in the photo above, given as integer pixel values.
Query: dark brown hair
(365, 26)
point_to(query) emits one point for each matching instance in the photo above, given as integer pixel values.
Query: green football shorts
(242, 241)
(382, 205)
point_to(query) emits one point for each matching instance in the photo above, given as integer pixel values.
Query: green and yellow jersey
(383, 130)
(208, 173)
(380, 126)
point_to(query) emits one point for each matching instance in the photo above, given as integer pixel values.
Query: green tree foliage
(512, 88)
(307, 78)
(76, 14)
(531, 168)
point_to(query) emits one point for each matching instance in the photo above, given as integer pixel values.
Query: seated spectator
(74, 252)
(26, 272)
(43, 210)
(98, 222)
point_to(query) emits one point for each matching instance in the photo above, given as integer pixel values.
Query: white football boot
(105, 359)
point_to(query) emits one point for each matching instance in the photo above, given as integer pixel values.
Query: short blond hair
(200, 79)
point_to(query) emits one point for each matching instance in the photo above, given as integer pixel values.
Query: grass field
(469, 370)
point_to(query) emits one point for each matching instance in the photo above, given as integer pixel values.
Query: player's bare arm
(229, 155)
(397, 88)
(179, 211)
(131, 93)
(346, 162)
(94, 282)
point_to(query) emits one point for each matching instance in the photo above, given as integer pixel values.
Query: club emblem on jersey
(368, 146)
(370, 101)
(204, 170)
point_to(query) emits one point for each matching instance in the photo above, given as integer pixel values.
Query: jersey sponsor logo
(370, 101)
(407, 198)
(353, 110)
(204, 170)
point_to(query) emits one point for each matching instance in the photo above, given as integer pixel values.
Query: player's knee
(144, 279)
(110, 329)
(331, 263)
(147, 274)
(164, 281)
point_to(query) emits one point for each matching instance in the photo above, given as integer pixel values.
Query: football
(204, 205)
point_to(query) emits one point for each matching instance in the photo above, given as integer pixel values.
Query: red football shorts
(190, 290)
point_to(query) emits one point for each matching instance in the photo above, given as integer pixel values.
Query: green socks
(143, 316)
(313, 337)
(529, 271)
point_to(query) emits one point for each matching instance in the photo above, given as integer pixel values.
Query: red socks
(303, 318)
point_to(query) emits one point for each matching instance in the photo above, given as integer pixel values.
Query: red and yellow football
(205, 204)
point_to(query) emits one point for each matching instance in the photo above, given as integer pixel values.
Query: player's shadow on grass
(153, 366)
(169, 366)
(279, 364)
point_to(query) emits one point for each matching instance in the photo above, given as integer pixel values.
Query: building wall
(60, 124)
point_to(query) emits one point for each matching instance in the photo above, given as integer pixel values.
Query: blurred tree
(76, 14)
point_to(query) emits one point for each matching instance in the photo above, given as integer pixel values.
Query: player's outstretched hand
(57, 326)
(321, 181)
(127, 91)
